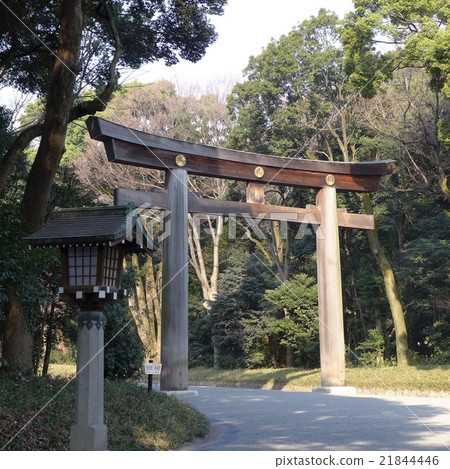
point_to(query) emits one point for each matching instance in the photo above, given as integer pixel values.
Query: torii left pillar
(174, 314)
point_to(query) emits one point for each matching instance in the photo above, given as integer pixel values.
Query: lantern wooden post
(174, 331)
(89, 432)
(331, 318)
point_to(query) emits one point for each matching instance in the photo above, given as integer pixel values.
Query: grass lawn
(421, 380)
(136, 420)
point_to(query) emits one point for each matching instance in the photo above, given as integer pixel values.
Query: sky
(245, 29)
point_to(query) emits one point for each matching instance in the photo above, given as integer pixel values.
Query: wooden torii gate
(178, 158)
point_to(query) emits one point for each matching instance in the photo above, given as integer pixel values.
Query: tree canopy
(381, 36)
(290, 90)
(148, 30)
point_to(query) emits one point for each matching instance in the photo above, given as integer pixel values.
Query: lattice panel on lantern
(83, 262)
(111, 267)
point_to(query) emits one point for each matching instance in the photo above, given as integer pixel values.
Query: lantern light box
(93, 242)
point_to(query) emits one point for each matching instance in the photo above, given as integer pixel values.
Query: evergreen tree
(299, 328)
(241, 287)
(124, 355)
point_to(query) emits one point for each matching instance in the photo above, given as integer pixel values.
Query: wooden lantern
(93, 242)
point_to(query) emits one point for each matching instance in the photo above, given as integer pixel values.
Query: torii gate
(178, 158)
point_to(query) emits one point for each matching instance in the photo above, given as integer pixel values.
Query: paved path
(248, 419)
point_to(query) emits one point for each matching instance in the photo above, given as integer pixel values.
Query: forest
(373, 86)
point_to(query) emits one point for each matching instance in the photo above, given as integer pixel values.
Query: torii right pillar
(331, 317)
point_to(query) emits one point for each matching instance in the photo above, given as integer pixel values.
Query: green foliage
(141, 421)
(68, 191)
(124, 354)
(200, 325)
(19, 267)
(371, 351)
(6, 136)
(444, 131)
(417, 36)
(201, 351)
(424, 270)
(241, 287)
(299, 326)
(289, 89)
(438, 340)
(35, 274)
(136, 420)
(297, 95)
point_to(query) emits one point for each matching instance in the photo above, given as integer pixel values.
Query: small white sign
(152, 368)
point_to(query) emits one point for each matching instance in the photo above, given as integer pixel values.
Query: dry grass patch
(419, 380)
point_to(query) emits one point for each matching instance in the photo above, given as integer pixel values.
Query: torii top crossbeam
(133, 147)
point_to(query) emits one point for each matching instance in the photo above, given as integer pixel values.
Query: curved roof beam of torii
(133, 147)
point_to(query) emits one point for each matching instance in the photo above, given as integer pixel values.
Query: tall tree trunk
(84, 108)
(59, 103)
(279, 247)
(443, 182)
(142, 307)
(401, 335)
(153, 286)
(18, 336)
(209, 284)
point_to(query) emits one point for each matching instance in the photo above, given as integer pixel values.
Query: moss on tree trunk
(401, 335)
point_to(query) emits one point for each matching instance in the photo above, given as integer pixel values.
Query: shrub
(124, 353)
(371, 351)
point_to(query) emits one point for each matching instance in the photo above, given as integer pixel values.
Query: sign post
(151, 369)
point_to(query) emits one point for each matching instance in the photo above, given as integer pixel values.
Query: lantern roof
(94, 225)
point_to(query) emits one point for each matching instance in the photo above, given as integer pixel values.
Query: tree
(417, 35)
(408, 113)
(289, 90)
(123, 350)
(128, 33)
(84, 34)
(298, 328)
(241, 287)
(58, 105)
(402, 122)
(283, 109)
(297, 101)
(34, 275)
(424, 270)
